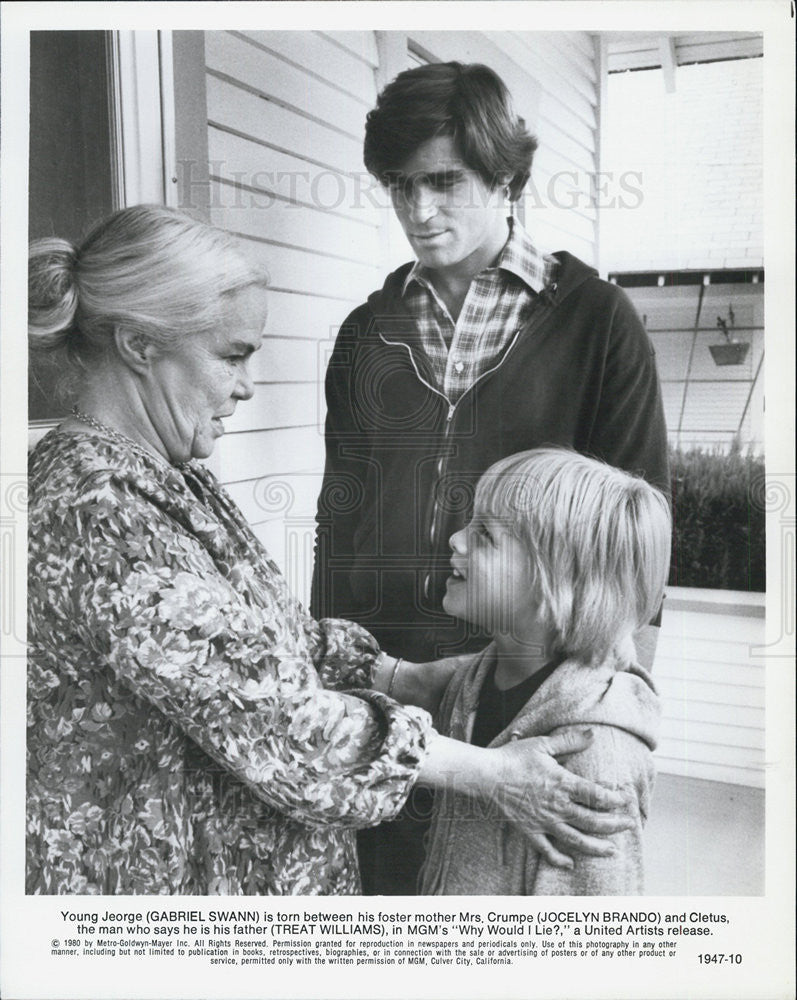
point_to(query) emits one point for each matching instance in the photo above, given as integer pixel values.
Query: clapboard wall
(710, 673)
(285, 115)
(560, 205)
(285, 118)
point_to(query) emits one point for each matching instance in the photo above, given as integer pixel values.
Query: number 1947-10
(718, 958)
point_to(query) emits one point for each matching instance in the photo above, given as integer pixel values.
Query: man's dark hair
(468, 102)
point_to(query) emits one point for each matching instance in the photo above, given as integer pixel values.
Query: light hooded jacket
(402, 463)
(472, 852)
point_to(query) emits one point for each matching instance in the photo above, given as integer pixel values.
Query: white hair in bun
(147, 268)
(52, 292)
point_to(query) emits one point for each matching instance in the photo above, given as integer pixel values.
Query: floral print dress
(188, 730)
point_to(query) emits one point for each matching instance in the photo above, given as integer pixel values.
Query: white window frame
(142, 103)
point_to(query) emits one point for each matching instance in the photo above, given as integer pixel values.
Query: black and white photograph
(405, 501)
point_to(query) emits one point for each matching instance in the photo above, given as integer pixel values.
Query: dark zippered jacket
(402, 464)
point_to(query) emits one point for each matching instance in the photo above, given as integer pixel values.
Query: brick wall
(699, 151)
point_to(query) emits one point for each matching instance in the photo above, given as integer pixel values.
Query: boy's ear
(134, 347)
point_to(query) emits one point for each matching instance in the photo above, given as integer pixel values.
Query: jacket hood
(612, 693)
(388, 301)
(485, 856)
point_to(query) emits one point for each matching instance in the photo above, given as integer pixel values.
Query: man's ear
(135, 348)
(502, 184)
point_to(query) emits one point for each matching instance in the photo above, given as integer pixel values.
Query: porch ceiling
(630, 50)
(706, 404)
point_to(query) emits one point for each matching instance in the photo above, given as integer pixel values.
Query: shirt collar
(519, 256)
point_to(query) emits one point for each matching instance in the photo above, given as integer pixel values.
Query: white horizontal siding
(550, 237)
(284, 497)
(563, 67)
(297, 270)
(244, 163)
(748, 717)
(712, 691)
(554, 109)
(281, 510)
(564, 220)
(733, 773)
(284, 222)
(582, 41)
(286, 112)
(304, 317)
(238, 59)
(545, 56)
(322, 56)
(284, 359)
(360, 44)
(254, 115)
(276, 405)
(271, 452)
(293, 552)
(562, 151)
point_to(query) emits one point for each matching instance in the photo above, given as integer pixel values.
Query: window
(73, 181)
(100, 138)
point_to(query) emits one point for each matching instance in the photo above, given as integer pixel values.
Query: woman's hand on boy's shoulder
(548, 802)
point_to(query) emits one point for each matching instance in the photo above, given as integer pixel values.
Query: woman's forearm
(421, 684)
(458, 767)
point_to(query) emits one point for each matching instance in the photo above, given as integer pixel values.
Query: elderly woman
(188, 726)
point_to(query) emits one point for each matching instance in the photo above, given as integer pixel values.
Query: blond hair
(598, 539)
(147, 268)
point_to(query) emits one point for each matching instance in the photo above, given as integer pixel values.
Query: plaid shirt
(499, 302)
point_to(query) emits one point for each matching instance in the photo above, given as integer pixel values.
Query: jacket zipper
(440, 467)
(441, 463)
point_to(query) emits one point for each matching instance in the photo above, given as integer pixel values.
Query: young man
(480, 348)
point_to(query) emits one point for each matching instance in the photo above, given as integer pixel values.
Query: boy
(563, 559)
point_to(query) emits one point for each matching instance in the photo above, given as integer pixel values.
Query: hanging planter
(732, 352)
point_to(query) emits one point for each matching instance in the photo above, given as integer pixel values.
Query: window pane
(71, 175)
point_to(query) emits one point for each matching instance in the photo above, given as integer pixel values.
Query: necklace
(114, 435)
